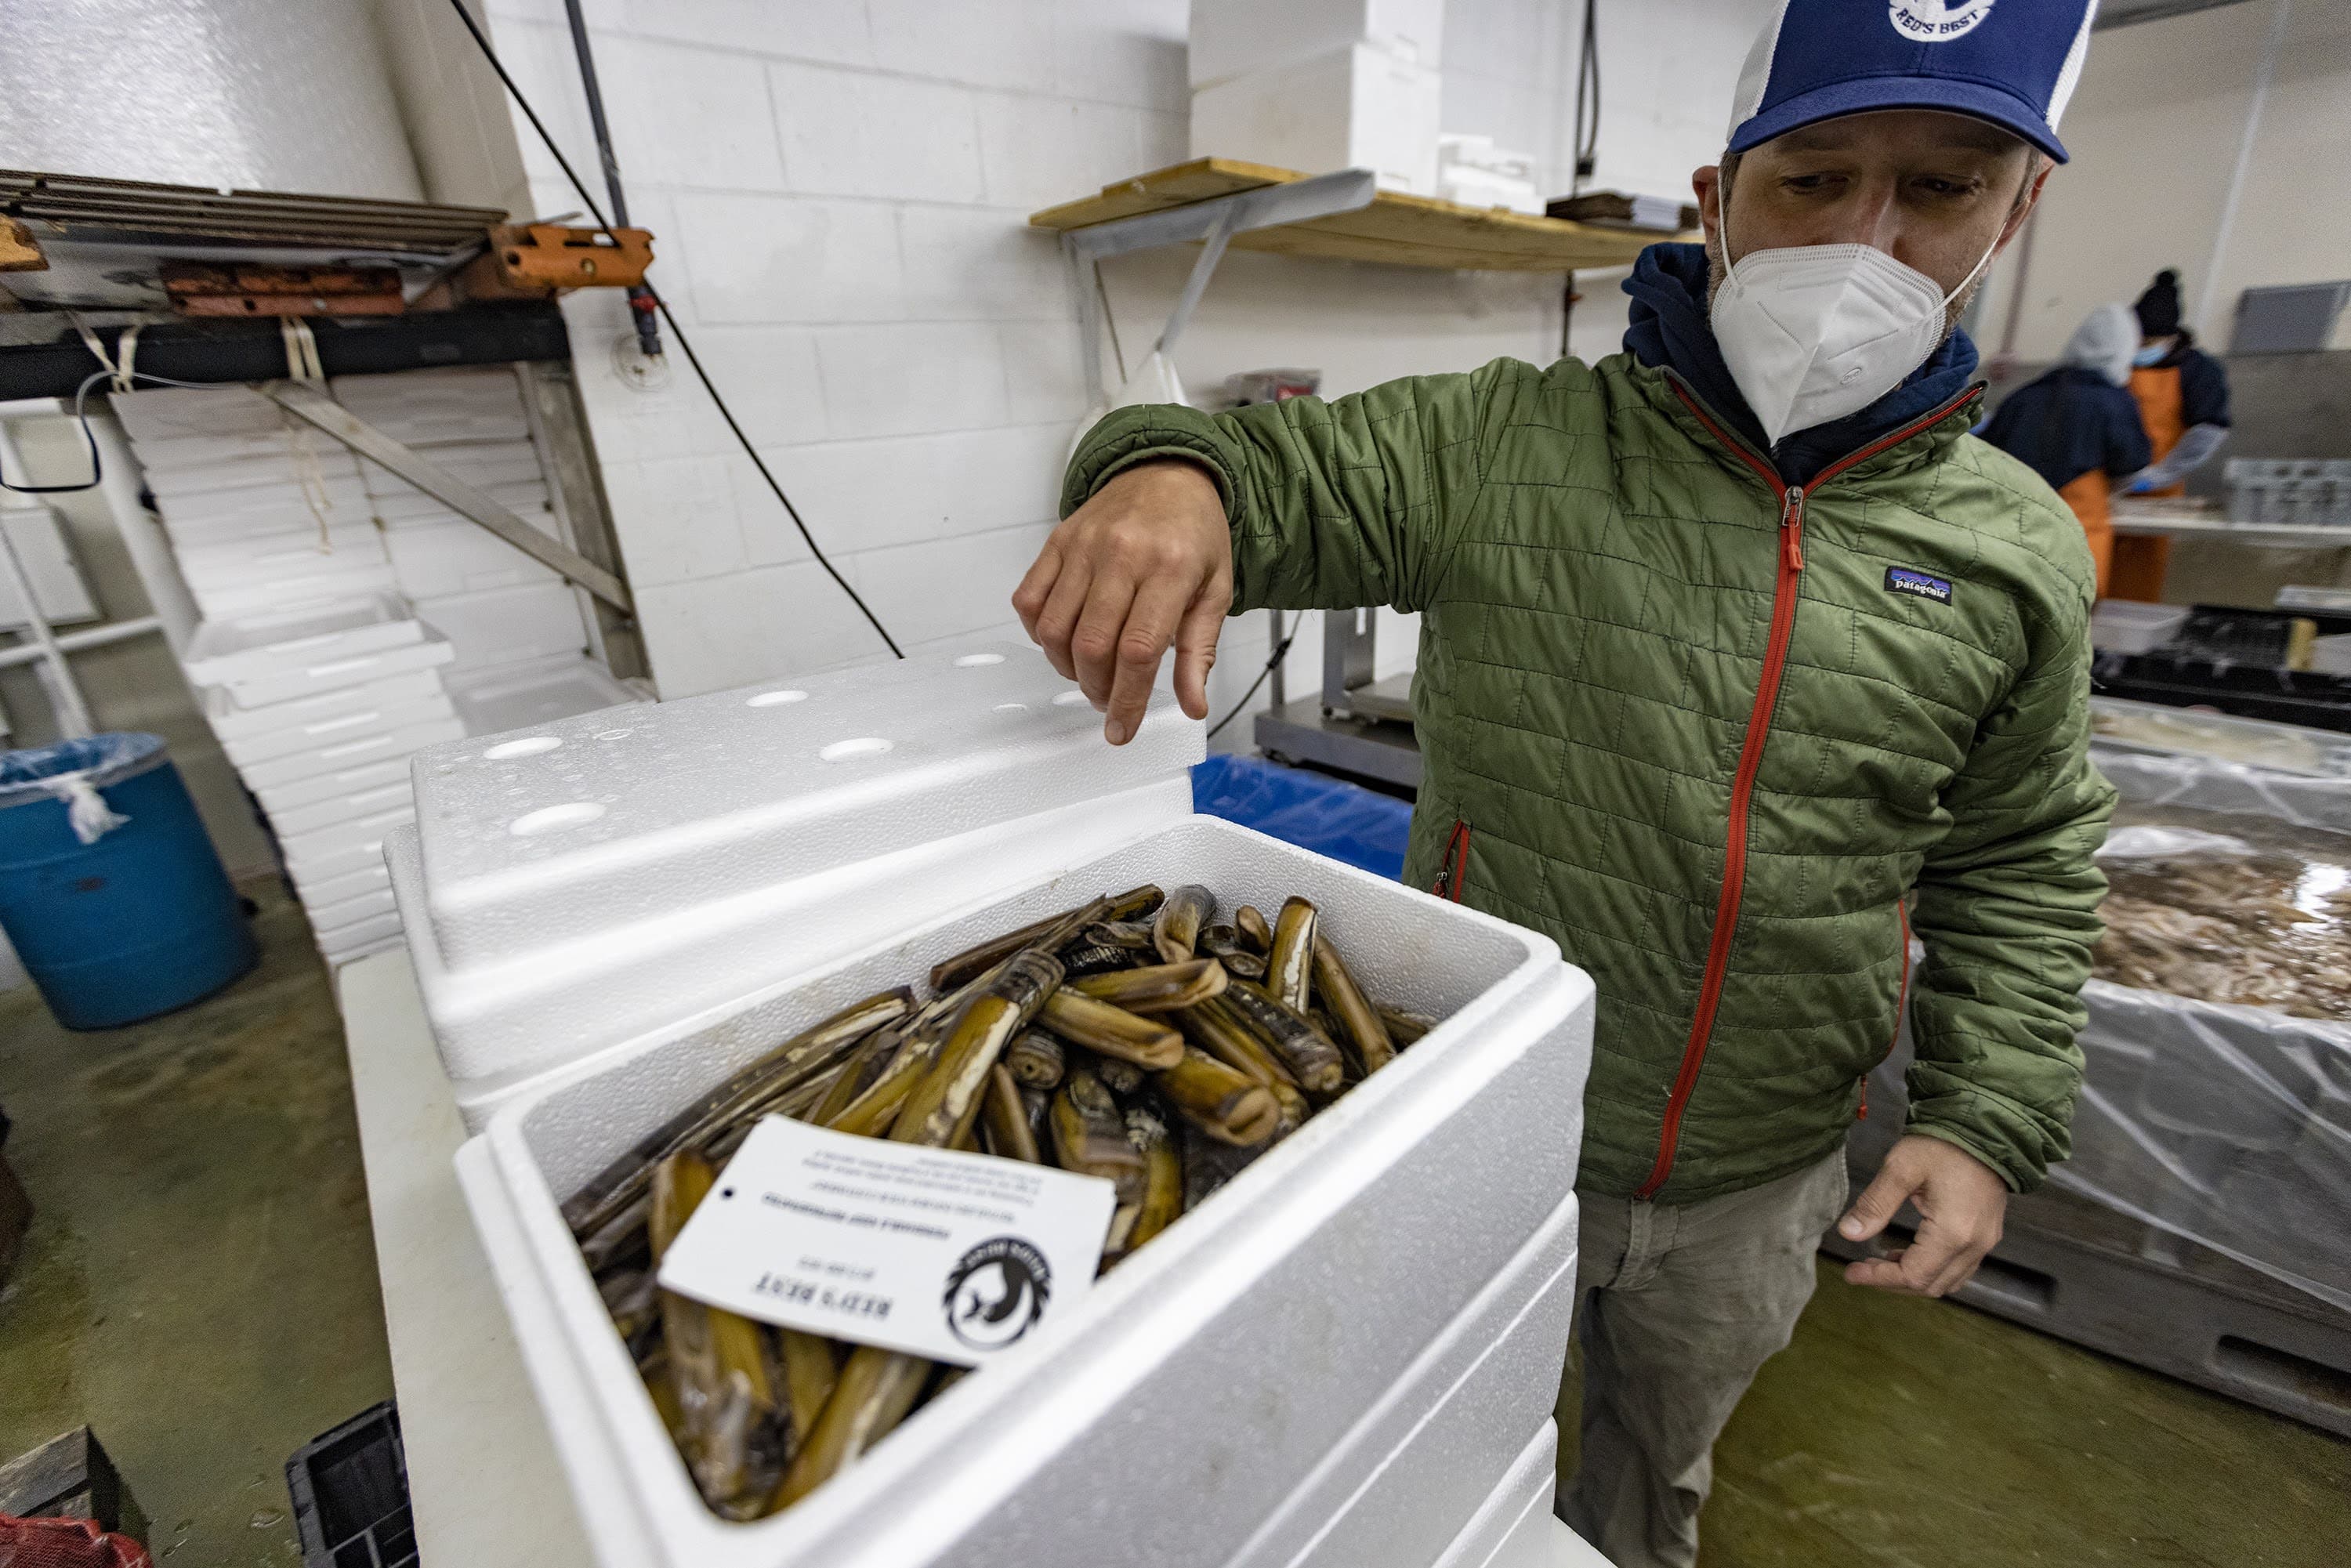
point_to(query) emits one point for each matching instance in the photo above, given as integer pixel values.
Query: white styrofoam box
(1231, 38)
(324, 891)
(1516, 1528)
(230, 722)
(507, 625)
(576, 884)
(1355, 108)
(314, 461)
(162, 413)
(524, 497)
(342, 781)
(221, 653)
(539, 691)
(344, 756)
(325, 734)
(1352, 1341)
(2125, 626)
(329, 582)
(489, 463)
(1471, 187)
(434, 560)
(421, 408)
(373, 904)
(1459, 150)
(342, 808)
(331, 670)
(48, 562)
(223, 516)
(289, 558)
(331, 851)
(344, 943)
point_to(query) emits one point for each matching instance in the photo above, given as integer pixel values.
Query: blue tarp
(1329, 816)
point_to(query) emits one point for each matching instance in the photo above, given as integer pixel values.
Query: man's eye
(1809, 182)
(1948, 188)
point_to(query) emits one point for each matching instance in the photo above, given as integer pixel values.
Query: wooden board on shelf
(1403, 230)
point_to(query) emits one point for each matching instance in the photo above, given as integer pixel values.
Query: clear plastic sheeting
(2225, 1124)
(2118, 723)
(96, 759)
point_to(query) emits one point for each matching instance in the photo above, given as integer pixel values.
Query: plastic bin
(137, 922)
(1329, 816)
(350, 1487)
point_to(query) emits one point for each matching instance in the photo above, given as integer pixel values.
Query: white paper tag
(946, 1254)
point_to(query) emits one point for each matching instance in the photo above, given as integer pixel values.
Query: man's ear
(1708, 183)
(2022, 211)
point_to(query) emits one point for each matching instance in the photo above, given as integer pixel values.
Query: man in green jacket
(1740, 661)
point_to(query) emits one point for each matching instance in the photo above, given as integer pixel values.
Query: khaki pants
(1676, 1306)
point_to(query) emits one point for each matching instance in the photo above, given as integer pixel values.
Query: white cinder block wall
(839, 190)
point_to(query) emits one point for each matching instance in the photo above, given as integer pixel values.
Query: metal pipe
(642, 304)
(56, 680)
(77, 642)
(2272, 48)
(142, 535)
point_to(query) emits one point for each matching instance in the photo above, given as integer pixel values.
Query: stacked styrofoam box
(1346, 1355)
(1319, 85)
(263, 511)
(496, 605)
(1474, 172)
(318, 708)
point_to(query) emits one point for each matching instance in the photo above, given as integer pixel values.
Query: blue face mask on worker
(2152, 353)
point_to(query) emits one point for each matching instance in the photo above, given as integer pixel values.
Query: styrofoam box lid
(264, 642)
(1341, 1254)
(319, 588)
(372, 904)
(523, 497)
(344, 941)
(266, 510)
(327, 461)
(341, 781)
(506, 625)
(316, 851)
(166, 412)
(341, 808)
(262, 563)
(1231, 38)
(339, 669)
(330, 890)
(230, 722)
(494, 463)
(594, 822)
(324, 734)
(343, 755)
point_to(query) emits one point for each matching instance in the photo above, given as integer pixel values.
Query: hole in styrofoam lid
(1071, 698)
(613, 733)
(974, 661)
(530, 746)
(863, 746)
(775, 699)
(554, 819)
(1012, 708)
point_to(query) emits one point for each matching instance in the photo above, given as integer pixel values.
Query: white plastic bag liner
(74, 771)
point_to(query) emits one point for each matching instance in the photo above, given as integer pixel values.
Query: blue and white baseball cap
(2011, 62)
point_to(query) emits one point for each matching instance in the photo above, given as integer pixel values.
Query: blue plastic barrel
(140, 920)
(1313, 810)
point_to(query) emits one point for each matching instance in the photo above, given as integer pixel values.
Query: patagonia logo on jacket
(1918, 584)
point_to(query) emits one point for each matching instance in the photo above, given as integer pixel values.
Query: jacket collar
(1669, 331)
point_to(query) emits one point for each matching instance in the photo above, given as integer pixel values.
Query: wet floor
(1918, 1434)
(199, 1285)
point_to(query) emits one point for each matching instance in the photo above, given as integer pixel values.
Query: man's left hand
(1959, 1199)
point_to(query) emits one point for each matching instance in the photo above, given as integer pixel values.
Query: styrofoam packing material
(1230, 37)
(1515, 1527)
(506, 625)
(186, 460)
(333, 674)
(171, 412)
(374, 904)
(426, 407)
(282, 503)
(317, 462)
(342, 781)
(325, 869)
(345, 755)
(321, 587)
(490, 462)
(525, 498)
(322, 852)
(342, 809)
(266, 562)
(536, 692)
(1273, 1321)
(738, 790)
(230, 722)
(321, 891)
(246, 751)
(245, 648)
(345, 943)
(462, 557)
(1355, 108)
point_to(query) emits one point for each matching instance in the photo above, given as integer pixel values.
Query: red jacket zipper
(1751, 753)
(1457, 861)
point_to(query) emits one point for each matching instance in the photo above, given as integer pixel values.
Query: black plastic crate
(2233, 660)
(350, 1494)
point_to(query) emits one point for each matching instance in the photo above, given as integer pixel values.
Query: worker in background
(1739, 661)
(2183, 400)
(2078, 426)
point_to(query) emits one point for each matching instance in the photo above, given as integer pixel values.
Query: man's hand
(1147, 561)
(1959, 1199)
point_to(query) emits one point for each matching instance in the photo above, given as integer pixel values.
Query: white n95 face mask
(1814, 333)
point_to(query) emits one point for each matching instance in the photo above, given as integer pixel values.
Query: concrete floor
(199, 1286)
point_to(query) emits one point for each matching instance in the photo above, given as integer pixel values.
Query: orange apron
(2087, 496)
(2140, 559)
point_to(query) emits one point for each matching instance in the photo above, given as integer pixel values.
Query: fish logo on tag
(1918, 584)
(996, 1292)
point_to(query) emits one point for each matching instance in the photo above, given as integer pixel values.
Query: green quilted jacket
(1727, 741)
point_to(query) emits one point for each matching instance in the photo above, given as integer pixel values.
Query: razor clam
(1163, 1178)
(1289, 972)
(1309, 1055)
(1090, 1136)
(970, 964)
(1008, 1134)
(1348, 1004)
(1254, 929)
(1156, 988)
(1404, 1028)
(942, 1107)
(1177, 924)
(1035, 1059)
(1118, 1077)
(774, 1073)
(872, 1395)
(718, 1365)
(1112, 1030)
(1222, 1101)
